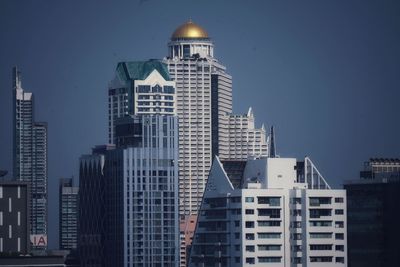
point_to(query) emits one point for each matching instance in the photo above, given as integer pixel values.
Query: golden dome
(189, 30)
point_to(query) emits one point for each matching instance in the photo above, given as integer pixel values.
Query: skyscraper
(68, 214)
(135, 182)
(270, 212)
(204, 106)
(30, 158)
(204, 95)
(373, 214)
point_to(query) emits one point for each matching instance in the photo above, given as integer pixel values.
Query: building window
(339, 248)
(237, 223)
(269, 247)
(320, 247)
(269, 259)
(320, 235)
(249, 199)
(250, 249)
(339, 212)
(316, 201)
(237, 259)
(272, 201)
(339, 236)
(269, 223)
(237, 235)
(339, 224)
(249, 211)
(250, 261)
(340, 259)
(321, 259)
(250, 237)
(249, 224)
(269, 235)
(339, 200)
(320, 223)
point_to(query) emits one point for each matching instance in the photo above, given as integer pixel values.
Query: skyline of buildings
(30, 158)
(137, 176)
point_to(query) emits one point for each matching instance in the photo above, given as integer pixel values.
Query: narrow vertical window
(1, 218)
(9, 205)
(1, 244)
(19, 244)
(10, 231)
(19, 218)
(19, 192)
(1, 191)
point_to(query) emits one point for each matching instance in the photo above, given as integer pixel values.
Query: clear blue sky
(325, 73)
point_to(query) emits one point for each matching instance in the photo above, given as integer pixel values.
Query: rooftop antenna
(272, 147)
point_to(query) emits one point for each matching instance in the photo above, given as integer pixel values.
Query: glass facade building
(30, 157)
(373, 214)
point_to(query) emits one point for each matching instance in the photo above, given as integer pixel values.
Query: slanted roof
(139, 70)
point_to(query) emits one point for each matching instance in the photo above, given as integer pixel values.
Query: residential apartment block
(270, 212)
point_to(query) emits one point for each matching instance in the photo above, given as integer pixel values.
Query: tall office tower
(141, 181)
(242, 138)
(30, 159)
(140, 88)
(68, 214)
(135, 188)
(92, 214)
(373, 214)
(270, 212)
(14, 218)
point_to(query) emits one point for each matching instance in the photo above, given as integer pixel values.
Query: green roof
(139, 70)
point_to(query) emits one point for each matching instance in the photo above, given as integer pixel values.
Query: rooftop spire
(271, 144)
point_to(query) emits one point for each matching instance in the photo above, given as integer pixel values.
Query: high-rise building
(204, 108)
(92, 214)
(135, 182)
(140, 88)
(30, 159)
(269, 212)
(14, 218)
(137, 188)
(204, 96)
(242, 138)
(68, 214)
(373, 214)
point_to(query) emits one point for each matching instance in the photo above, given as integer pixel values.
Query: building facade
(14, 218)
(30, 158)
(204, 105)
(373, 214)
(140, 88)
(242, 138)
(68, 214)
(92, 213)
(270, 212)
(137, 188)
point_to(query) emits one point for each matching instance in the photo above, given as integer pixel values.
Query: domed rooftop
(189, 30)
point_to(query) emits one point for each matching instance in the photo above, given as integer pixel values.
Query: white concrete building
(204, 105)
(270, 212)
(242, 138)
